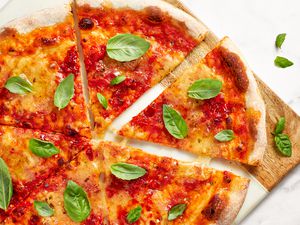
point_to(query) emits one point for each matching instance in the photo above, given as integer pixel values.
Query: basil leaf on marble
(280, 39)
(282, 62)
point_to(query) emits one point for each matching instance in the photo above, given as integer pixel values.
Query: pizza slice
(40, 81)
(71, 196)
(213, 109)
(32, 156)
(146, 189)
(129, 46)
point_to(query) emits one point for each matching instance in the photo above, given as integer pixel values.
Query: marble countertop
(253, 25)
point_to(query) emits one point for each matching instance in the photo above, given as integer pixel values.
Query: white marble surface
(253, 25)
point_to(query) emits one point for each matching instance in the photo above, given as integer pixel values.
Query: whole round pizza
(67, 73)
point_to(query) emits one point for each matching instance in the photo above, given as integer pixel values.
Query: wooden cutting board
(274, 166)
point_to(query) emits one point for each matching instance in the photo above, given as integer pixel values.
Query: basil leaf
(117, 80)
(174, 122)
(205, 89)
(134, 214)
(18, 85)
(282, 62)
(76, 202)
(225, 135)
(283, 144)
(176, 211)
(127, 171)
(64, 92)
(126, 47)
(42, 149)
(280, 39)
(102, 100)
(6, 188)
(43, 208)
(280, 126)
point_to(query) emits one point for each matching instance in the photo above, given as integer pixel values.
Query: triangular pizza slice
(40, 81)
(72, 195)
(129, 46)
(213, 109)
(32, 156)
(146, 189)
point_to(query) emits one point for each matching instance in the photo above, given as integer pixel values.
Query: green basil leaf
(102, 100)
(18, 85)
(282, 62)
(205, 89)
(42, 149)
(280, 126)
(225, 135)
(43, 208)
(64, 92)
(126, 47)
(6, 187)
(127, 171)
(174, 122)
(117, 80)
(280, 39)
(176, 211)
(283, 144)
(76, 202)
(134, 214)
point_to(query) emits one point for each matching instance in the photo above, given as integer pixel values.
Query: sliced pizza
(129, 46)
(146, 189)
(40, 81)
(71, 196)
(32, 156)
(213, 109)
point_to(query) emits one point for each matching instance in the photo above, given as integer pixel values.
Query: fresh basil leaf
(283, 144)
(117, 80)
(127, 171)
(6, 187)
(76, 202)
(280, 126)
(42, 149)
(18, 85)
(176, 211)
(126, 47)
(43, 208)
(225, 135)
(205, 89)
(64, 92)
(174, 122)
(280, 39)
(282, 62)
(102, 100)
(134, 214)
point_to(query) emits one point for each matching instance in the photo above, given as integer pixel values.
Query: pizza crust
(43, 18)
(195, 28)
(253, 100)
(234, 205)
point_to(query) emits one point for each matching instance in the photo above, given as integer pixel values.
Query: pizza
(167, 34)
(206, 196)
(67, 73)
(213, 109)
(37, 54)
(32, 156)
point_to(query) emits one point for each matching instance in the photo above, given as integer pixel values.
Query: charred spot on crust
(253, 127)
(86, 24)
(214, 208)
(8, 32)
(237, 68)
(154, 15)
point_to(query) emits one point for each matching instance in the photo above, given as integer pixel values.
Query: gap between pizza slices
(209, 196)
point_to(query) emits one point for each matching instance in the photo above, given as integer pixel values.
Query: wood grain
(274, 166)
